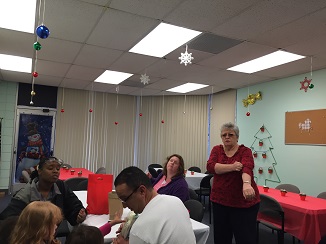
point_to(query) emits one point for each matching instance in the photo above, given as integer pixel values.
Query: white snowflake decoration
(144, 79)
(186, 57)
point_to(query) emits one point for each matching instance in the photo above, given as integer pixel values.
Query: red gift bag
(99, 186)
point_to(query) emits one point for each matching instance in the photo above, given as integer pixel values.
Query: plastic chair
(72, 183)
(101, 170)
(288, 187)
(155, 166)
(205, 190)
(153, 172)
(322, 195)
(195, 208)
(272, 209)
(82, 186)
(195, 169)
(192, 194)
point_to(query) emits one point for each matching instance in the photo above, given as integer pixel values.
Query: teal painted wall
(302, 165)
(8, 98)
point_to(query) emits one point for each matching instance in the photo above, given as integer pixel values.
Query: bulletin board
(306, 127)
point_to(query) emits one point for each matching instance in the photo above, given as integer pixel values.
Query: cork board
(306, 127)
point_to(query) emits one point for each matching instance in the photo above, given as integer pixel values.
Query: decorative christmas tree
(262, 150)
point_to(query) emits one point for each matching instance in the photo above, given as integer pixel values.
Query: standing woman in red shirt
(234, 195)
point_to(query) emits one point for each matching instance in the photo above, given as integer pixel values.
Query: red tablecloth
(306, 220)
(64, 174)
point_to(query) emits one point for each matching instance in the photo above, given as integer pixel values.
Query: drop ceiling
(91, 36)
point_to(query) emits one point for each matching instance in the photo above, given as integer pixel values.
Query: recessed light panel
(18, 15)
(188, 87)
(15, 63)
(113, 77)
(265, 62)
(163, 39)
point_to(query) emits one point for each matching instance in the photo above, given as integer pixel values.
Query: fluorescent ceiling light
(112, 77)
(188, 87)
(15, 63)
(265, 62)
(164, 39)
(18, 15)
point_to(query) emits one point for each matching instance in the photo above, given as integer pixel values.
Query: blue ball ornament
(42, 31)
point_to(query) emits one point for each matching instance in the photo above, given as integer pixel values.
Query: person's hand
(81, 216)
(117, 218)
(248, 192)
(120, 228)
(120, 240)
(237, 166)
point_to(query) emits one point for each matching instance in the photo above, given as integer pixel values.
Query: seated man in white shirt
(163, 219)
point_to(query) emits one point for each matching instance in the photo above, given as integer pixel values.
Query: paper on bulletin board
(306, 127)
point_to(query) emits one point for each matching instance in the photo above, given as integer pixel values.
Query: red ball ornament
(116, 123)
(270, 170)
(264, 155)
(262, 129)
(62, 110)
(162, 121)
(140, 114)
(35, 74)
(260, 170)
(90, 110)
(248, 113)
(255, 155)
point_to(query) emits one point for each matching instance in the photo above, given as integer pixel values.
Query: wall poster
(34, 140)
(306, 127)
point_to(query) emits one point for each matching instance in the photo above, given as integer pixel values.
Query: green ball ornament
(37, 46)
(311, 86)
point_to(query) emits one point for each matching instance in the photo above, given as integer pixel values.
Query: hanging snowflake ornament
(186, 57)
(144, 79)
(305, 84)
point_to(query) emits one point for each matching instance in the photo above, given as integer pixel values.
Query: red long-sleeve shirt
(227, 187)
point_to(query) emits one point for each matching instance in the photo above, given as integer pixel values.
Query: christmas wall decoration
(265, 163)
(306, 83)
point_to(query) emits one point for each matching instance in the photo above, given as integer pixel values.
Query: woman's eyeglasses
(227, 134)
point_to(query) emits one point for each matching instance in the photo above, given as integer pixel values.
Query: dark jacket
(66, 200)
(177, 187)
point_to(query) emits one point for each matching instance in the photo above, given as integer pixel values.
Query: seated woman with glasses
(46, 186)
(37, 224)
(171, 181)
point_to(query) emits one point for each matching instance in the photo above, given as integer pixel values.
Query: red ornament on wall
(248, 113)
(140, 114)
(35, 74)
(270, 170)
(162, 121)
(261, 143)
(255, 154)
(116, 123)
(264, 155)
(262, 129)
(90, 110)
(62, 110)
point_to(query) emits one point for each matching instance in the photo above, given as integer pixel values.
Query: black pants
(240, 222)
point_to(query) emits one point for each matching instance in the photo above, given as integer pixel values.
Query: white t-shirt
(165, 219)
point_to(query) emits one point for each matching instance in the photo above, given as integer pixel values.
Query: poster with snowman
(34, 141)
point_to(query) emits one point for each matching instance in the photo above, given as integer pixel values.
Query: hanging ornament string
(117, 104)
(41, 32)
(141, 102)
(248, 112)
(311, 85)
(162, 121)
(62, 100)
(211, 108)
(184, 105)
(91, 105)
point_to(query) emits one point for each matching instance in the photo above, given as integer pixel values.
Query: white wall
(302, 165)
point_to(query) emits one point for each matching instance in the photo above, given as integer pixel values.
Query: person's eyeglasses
(227, 134)
(127, 198)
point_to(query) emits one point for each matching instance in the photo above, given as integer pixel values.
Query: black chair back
(82, 186)
(72, 183)
(195, 208)
(322, 195)
(153, 172)
(288, 187)
(192, 194)
(101, 170)
(195, 169)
